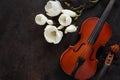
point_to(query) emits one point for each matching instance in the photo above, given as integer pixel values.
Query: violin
(108, 61)
(80, 60)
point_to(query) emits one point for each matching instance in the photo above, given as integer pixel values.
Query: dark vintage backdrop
(24, 53)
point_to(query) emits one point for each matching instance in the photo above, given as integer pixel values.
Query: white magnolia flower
(50, 22)
(69, 12)
(71, 28)
(52, 34)
(53, 8)
(40, 19)
(65, 20)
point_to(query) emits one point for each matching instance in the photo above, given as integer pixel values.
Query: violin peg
(115, 48)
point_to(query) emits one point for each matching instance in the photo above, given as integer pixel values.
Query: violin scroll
(108, 61)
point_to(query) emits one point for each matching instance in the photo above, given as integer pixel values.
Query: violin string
(99, 24)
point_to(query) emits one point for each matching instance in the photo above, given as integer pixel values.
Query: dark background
(24, 53)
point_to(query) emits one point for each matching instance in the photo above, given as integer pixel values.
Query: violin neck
(101, 22)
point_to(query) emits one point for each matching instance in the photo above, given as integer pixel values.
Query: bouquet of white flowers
(53, 33)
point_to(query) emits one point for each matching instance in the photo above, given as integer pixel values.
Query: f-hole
(91, 54)
(79, 47)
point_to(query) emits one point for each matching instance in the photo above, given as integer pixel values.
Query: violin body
(80, 60)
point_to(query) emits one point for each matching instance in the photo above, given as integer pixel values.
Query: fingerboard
(101, 22)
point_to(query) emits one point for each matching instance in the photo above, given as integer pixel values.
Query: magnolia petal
(58, 37)
(53, 8)
(69, 12)
(40, 19)
(65, 20)
(52, 34)
(71, 28)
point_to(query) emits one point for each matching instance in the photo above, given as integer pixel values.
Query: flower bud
(69, 12)
(71, 28)
(50, 22)
(40, 19)
(60, 27)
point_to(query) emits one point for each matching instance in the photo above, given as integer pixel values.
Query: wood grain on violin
(80, 60)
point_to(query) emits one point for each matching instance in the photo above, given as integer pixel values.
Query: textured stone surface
(24, 53)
